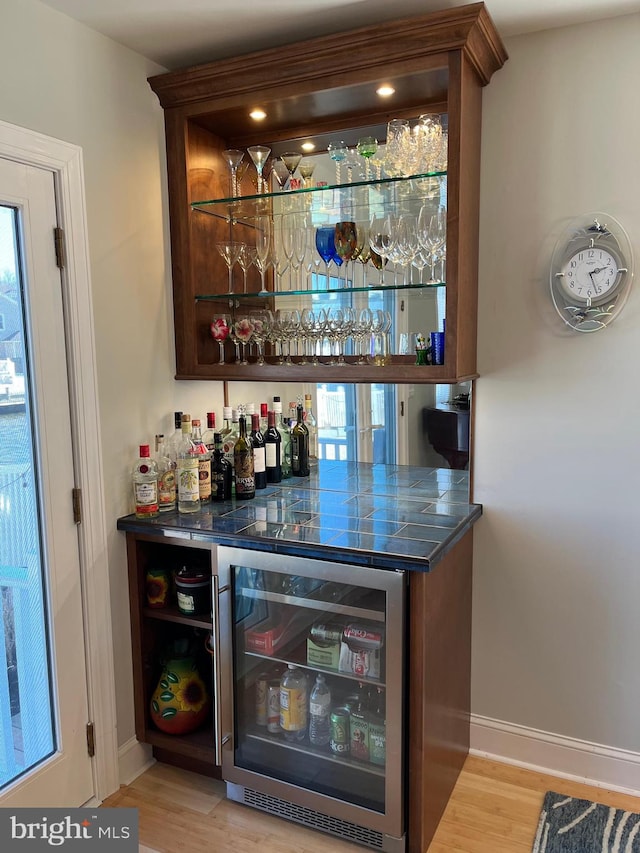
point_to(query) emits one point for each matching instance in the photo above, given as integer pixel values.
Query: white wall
(557, 580)
(64, 80)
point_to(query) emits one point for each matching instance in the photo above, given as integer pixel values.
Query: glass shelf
(279, 294)
(329, 200)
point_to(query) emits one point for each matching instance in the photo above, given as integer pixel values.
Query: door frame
(64, 161)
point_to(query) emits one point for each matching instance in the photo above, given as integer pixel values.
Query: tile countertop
(387, 516)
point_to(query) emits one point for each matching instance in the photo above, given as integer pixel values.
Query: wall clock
(591, 272)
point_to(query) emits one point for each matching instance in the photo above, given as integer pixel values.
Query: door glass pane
(311, 689)
(26, 721)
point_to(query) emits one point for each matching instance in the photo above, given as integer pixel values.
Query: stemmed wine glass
(432, 234)
(306, 170)
(338, 153)
(263, 247)
(246, 258)
(380, 240)
(220, 328)
(326, 246)
(242, 334)
(230, 253)
(367, 147)
(346, 243)
(259, 154)
(233, 158)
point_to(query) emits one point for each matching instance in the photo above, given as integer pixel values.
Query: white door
(44, 759)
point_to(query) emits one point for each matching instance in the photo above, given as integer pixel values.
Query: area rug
(569, 825)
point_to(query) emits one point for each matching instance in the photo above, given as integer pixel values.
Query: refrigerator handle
(214, 643)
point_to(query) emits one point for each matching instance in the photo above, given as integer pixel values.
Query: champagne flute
(246, 258)
(259, 155)
(230, 253)
(286, 238)
(233, 157)
(263, 247)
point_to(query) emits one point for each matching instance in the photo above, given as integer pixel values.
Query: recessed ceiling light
(385, 91)
(308, 146)
(257, 114)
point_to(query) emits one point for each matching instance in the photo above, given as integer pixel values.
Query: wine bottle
(285, 438)
(312, 426)
(243, 463)
(259, 453)
(221, 472)
(272, 446)
(300, 446)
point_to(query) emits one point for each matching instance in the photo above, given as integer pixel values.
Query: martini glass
(367, 147)
(233, 157)
(230, 253)
(259, 155)
(281, 173)
(291, 159)
(338, 153)
(263, 247)
(306, 169)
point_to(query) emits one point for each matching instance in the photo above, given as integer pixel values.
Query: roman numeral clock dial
(591, 272)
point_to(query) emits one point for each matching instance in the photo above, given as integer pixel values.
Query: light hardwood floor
(494, 809)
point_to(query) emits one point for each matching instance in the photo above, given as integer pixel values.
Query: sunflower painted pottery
(181, 701)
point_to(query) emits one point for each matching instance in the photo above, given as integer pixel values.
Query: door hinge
(401, 408)
(76, 497)
(58, 242)
(91, 740)
(402, 304)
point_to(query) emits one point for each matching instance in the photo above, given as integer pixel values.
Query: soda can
(340, 736)
(273, 706)
(261, 698)
(328, 633)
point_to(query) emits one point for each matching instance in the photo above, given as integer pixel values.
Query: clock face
(590, 275)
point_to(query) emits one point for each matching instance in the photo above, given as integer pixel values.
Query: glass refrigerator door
(318, 679)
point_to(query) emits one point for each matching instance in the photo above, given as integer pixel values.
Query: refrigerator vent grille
(314, 819)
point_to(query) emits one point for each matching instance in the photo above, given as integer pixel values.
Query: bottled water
(319, 713)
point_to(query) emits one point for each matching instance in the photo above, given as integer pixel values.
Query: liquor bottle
(221, 472)
(294, 696)
(227, 414)
(264, 414)
(377, 730)
(312, 426)
(273, 447)
(292, 417)
(243, 463)
(300, 447)
(145, 484)
(285, 439)
(259, 453)
(204, 462)
(319, 713)
(209, 433)
(166, 477)
(187, 471)
(173, 442)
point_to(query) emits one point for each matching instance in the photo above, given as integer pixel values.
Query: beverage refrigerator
(334, 762)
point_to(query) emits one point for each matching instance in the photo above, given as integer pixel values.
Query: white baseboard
(133, 759)
(568, 758)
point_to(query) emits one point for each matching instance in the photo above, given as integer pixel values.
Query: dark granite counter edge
(163, 527)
